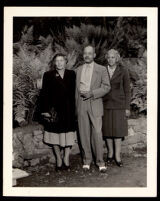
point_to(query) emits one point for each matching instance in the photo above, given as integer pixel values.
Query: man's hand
(86, 95)
(46, 114)
(128, 113)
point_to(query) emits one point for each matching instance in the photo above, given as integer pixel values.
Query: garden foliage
(32, 57)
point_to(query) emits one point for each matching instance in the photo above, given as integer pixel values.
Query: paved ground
(133, 174)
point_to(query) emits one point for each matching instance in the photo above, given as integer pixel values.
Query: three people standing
(101, 97)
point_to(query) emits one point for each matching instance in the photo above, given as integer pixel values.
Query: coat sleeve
(45, 103)
(76, 89)
(127, 91)
(105, 85)
(73, 90)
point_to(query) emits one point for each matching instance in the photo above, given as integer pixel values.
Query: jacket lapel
(116, 73)
(79, 71)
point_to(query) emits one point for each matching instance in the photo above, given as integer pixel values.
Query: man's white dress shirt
(86, 76)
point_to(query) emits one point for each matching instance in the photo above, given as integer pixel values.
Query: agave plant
(123, 37)
(75, 40)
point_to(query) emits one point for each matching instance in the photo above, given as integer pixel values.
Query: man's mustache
(86, 57)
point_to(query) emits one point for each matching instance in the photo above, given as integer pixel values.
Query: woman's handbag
(53, 117)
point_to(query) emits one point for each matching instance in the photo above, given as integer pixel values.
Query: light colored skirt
(61, 139)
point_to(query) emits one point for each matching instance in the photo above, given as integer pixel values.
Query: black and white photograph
(81, 103)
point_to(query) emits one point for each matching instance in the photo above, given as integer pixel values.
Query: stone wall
(136, 141)
(29, 149)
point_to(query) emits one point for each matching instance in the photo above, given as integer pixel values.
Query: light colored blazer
(100, 85)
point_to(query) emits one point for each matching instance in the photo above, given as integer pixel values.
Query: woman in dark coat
(116, 107)
(58, 109)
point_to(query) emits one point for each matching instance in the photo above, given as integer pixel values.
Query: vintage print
(81, 107)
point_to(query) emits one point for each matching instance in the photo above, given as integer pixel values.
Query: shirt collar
(90, 64)
(111, 68)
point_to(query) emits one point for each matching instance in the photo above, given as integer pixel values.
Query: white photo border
(152, 79)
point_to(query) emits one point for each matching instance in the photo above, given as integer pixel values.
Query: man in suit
(92, 83)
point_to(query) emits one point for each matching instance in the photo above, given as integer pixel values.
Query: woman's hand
(128, 113)
(46, 114)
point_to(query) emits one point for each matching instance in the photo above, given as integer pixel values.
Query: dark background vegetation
(38, 39)
(134, 28)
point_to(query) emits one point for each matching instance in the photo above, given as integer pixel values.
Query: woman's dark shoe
(66, 167)
(59, 168)
(119, 163)
(109, 161)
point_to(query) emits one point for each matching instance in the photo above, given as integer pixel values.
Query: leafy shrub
(29, 63)
(32, 57)
(138, 74)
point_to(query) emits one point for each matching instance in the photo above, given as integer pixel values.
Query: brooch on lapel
(57, 75)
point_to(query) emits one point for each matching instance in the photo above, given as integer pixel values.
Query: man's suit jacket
(119, 95)
(100, 86)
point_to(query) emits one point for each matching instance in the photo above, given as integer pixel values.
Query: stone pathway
(133, 174)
